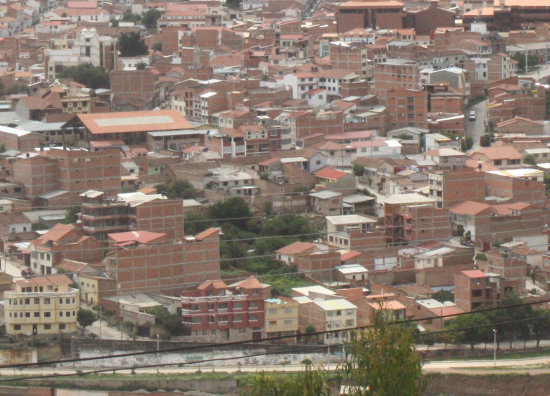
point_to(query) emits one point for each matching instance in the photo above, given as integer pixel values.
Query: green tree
(443, 295)
(540, 327)
(234, 209)
(306, 383)
(93, 77)
(466, 143)
(529, 159)
(2, 148)
(114, 23)
(518, 329)
(532, 60)
(18, 89)
(485, 141)
(140, 66)
(128, 327)
(72, 215)
(471, 329)
(171, 323)
(382, 360)
(358, 170)
(129, 17)
(157, 46)
(177, 189)
(150, 18)
(131, 44)
(85, 318)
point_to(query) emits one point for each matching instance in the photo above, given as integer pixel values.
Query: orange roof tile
(136, 236)
(469, 208)
(296, 248)
(134, 121)
(50, 280)
(207, 233)
(332, 174)
(474, 274)
(250, 283)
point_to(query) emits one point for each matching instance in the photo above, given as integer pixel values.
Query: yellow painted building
(41, 305)
(281, 317)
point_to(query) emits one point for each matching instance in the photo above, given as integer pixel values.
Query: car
(472, 116)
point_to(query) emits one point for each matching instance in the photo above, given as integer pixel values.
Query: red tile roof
(296, 248)
(250, 283)
(332, 174)
(469, 208)
(55, 234)
(474, 274)
(50, 280)
(500, 152)
(134, 121)
(349, 255)
(136, 236)
(216, 284)
(207, 233)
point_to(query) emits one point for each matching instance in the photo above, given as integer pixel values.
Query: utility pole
(494, 347)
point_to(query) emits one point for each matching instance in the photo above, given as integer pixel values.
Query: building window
(62, 326)
(27, 301)
(237, 318)
(47, 327)
(253, 318)
(16, 327)
(272, 311)
(223, 319)
(37, 301)
(47, 314)
(46, 301)
(237, 305)
(60, 314)
(37, 314)
(27, 314)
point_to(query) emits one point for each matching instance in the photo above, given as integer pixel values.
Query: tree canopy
(93, 77)
(177, 189)
(85, 318)
(149, 19)
(131, 44)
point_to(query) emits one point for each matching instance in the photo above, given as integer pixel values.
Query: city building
(216, 312)
(41, 306)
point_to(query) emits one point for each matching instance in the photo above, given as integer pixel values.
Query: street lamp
(494, 347)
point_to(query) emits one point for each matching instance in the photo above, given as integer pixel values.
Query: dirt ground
(483, 385)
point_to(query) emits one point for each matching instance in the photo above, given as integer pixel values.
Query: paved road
(476, 129)
(537, 364)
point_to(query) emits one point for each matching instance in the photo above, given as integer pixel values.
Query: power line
(284, 337)
(197, 361)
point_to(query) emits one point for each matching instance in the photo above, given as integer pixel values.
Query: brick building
(100, 216)
(474, 289)
(216, 312)
(412, 217)
(369, 14)
(134, 89)
(451, 187)
(165, 268)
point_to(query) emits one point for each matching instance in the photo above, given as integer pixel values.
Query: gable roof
(296, 248)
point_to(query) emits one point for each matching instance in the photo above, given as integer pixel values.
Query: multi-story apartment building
(339, 228)
(281, 318)
(41, 305)
(395, 74)
(216, 312)
(142, 266)
(475, 288)
(369, 14)
(327, 313)
(413, 217)
(101, 216)
(450, 187)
